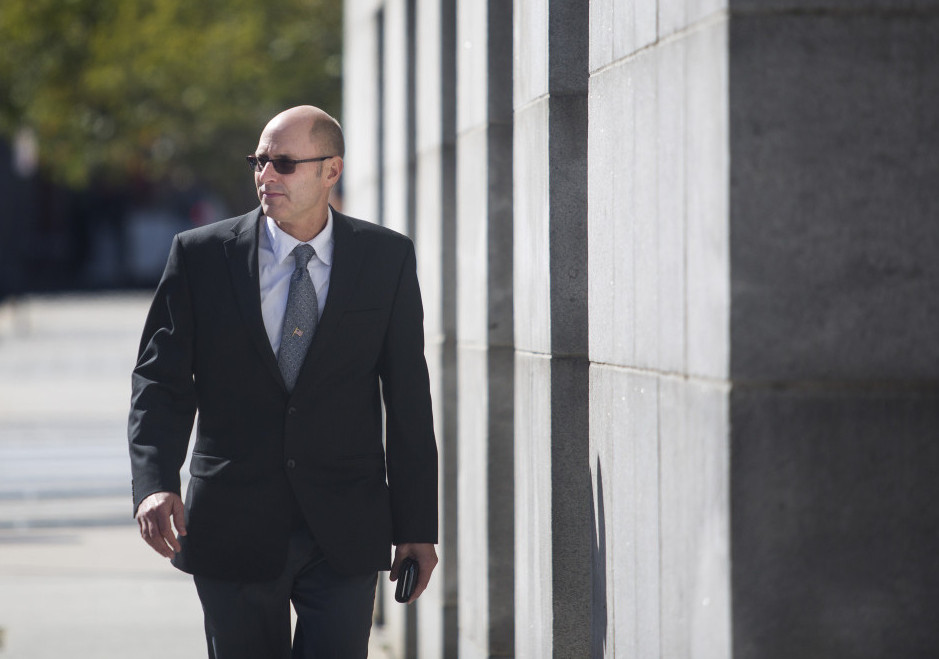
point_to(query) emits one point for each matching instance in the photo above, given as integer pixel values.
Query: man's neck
(303, 231)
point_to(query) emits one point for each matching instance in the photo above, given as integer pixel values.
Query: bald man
(287, 328)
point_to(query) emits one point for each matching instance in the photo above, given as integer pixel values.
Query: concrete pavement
(75, 579)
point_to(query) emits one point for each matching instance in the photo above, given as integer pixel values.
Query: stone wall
(681, 294)
(834, 225)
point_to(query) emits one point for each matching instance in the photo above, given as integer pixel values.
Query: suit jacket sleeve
(163, 401)
(411, 451)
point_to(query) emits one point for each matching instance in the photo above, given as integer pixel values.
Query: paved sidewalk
(93, 593)
(76, 581)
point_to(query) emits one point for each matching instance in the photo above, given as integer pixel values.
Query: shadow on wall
(599, 613)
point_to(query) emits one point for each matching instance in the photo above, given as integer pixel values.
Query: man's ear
(334, 168)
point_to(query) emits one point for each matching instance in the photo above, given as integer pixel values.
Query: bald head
(322, 128)
(308, 144)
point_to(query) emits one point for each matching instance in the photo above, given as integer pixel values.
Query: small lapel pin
(297, 331)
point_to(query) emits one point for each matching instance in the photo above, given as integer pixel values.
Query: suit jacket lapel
(242, 252)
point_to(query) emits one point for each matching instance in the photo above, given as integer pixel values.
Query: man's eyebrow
(276, 156)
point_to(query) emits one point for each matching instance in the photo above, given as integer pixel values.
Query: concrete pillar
(552, 473)
(659, 340)
(361, 91)
(395, 106)
(835, 358)
(400, 56)
(435, 216)
(485, 352)
(397, 186)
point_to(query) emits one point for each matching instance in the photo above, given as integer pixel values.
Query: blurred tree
(173, 90)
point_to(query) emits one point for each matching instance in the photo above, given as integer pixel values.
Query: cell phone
(407, 580)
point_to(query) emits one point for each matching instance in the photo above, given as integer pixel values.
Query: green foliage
(161, 89)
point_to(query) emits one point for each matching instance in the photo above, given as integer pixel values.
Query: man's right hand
(153, 516)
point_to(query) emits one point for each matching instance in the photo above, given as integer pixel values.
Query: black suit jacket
(259, 450)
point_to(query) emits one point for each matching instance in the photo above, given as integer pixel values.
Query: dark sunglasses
(281, 165)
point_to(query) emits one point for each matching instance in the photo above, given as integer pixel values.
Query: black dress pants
(252, 620)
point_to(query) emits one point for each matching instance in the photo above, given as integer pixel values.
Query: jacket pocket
(208, 466)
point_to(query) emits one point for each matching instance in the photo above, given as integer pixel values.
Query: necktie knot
(302, 254)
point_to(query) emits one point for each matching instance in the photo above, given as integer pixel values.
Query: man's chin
(268, 207)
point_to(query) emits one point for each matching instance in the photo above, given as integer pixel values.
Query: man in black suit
(294, 496)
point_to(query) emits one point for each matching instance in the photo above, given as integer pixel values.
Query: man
(286, 328)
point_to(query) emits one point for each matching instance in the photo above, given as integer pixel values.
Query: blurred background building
(682, 307)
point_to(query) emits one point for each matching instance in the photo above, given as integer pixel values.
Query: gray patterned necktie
(300, 318)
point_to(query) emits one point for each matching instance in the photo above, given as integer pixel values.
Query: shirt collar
(282, 243)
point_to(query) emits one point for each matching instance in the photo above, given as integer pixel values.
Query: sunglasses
(281, 165)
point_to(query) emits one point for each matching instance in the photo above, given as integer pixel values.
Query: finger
(152, 537)
(166, 533)
(159, 546)
(421, 586)
(423, 576)
(179, 516)
(151, 533)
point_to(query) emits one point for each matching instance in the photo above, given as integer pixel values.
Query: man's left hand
(426, 557)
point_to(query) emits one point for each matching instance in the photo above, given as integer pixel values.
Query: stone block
(531, 51)
(428, 53)
(432, 603)
(570, 219)
(834, 522)
(840, 6)
(602, 518)
(472, 64)
(428, 241)
(680, 15)
(640, 210)
(532, 274)
(472, 238)
(619, 28)
(610, 241)
(624, 432)
(634, 26)
(395, 197)
(533, 514)
(500, 62)
(624, 242)
(500, 464)
(569, 50)
(707, 185)
(500, 234)
(833, 206)
(573, 533)
(672, 17)
(473, 501)
(361, 171)
(601, 34)
(695, 519)
(670, 262)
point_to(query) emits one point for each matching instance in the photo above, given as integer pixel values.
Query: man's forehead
(284, 140)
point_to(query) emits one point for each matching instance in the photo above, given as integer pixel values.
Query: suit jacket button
(292, 411)
(291, 463)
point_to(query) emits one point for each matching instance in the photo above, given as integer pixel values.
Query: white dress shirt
(276, 264)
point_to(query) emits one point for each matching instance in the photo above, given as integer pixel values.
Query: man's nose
(267, 171)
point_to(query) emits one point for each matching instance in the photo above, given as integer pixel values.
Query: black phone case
(407, 579)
